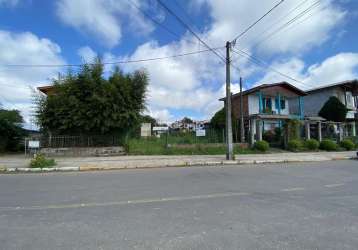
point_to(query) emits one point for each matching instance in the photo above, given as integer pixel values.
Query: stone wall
(84, 151)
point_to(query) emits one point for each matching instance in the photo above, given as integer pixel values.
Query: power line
(282, 17)
(112, 63)
(146, 14)
(189, 29)
(265, 65)
(258, 20)
(288, 23)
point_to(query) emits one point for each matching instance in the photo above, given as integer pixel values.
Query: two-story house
(266, 106)
(346, 92)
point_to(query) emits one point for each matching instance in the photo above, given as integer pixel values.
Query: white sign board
(160, 128)
(200, 132)
(34, 144)
(146, 130)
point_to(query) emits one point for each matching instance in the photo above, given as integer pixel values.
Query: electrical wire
(282, 17)
(265, 65)
(258, 20)
(288, 23)
(112, 63)
(147, 15)
(164, 6)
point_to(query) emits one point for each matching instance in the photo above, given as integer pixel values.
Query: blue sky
(320, 47)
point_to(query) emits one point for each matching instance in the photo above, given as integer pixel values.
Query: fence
(190, 137)
(64, 141)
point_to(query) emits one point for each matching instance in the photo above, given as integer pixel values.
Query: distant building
(189, 125)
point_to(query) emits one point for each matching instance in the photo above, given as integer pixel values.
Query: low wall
(208, 145)
(84, 151)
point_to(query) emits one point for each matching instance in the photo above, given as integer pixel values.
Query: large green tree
(89, 103)
(334, 110)
(11, 132)
(218, 121)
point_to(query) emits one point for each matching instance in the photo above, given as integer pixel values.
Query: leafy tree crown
(334, 110)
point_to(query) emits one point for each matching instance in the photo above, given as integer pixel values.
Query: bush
(262, 146)
(40, 161)
(347, 144)
(311, 144)
(295, 145)
(328, 145)
(292, 128)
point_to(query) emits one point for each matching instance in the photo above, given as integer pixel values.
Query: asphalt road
(295, 206)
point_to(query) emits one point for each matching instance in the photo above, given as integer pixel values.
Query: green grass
(156, 146)
(40, 161)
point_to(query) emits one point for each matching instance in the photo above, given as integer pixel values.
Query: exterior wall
(87, 151)
(313, 102)
(235, 103)
(254, 106)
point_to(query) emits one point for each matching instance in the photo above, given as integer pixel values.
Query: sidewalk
(20, 163)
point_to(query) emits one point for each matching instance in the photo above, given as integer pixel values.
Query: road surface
(275, 206)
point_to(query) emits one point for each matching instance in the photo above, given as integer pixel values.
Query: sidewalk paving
(20, 163)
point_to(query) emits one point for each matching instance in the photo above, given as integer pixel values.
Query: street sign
(34, 144)
(160, 128)
(200, 132)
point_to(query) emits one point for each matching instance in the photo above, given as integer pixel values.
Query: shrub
(262, 146)
(295, 145)
(328, 145)
(292, 128)
(40, 161)
(347, 144)
(311, 144)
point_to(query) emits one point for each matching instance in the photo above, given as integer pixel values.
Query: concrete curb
(99, 167)
(39, 170)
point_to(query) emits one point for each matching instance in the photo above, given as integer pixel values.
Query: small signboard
(160, 128)
(34, 144)
(146, 130)
(200, 132)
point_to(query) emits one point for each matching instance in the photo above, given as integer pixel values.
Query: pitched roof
(349, 83)
(46, 89)
(264, 86)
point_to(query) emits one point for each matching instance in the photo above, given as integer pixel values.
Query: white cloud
(87, 54)
(103, 19)
(192, 82)
(231, 17)
(161, 115)
(341, 67)
(15, 82)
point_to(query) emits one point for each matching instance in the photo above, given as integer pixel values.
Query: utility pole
(242, 128)
(229, 145)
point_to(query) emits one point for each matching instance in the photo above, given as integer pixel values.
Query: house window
(283, 104)
(267, 103)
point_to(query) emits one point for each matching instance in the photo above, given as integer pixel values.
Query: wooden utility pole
(242, 125)
(229, 145)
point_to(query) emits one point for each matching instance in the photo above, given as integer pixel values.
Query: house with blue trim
(266, 106)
